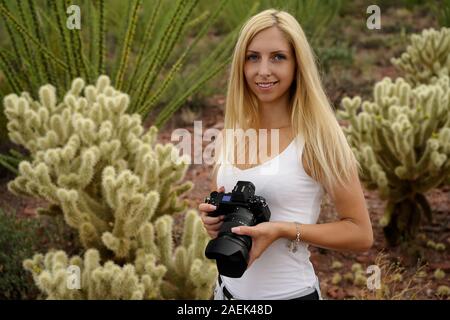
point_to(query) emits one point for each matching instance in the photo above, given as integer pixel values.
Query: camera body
(241, 207)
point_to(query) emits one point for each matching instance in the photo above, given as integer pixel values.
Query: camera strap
(225, 291)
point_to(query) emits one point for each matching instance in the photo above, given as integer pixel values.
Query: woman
(274, 84)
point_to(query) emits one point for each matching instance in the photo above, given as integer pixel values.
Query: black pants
(312, 296)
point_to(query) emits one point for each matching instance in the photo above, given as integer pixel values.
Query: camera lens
(231, 250)
(231, 255)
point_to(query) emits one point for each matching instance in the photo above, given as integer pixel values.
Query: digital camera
(241, 207)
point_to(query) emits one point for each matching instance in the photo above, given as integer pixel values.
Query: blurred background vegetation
(172, 57)
(165, 54)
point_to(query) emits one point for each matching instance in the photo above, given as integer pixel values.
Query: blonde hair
(327, 152)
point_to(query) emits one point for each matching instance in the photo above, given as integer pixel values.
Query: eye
(279, 57)
(252, 57)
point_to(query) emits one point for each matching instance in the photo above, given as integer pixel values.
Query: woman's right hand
(211, 224)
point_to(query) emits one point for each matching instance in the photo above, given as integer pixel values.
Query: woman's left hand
(262, 235)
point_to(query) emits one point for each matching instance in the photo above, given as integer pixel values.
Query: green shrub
(17, 238)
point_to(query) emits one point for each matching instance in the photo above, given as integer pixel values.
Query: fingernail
(213, 207)
(235, 229)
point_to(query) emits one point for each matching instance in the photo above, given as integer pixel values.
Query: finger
(214, 227)
(242, 230)
(212, 220)
(206, 207)
(221, 189)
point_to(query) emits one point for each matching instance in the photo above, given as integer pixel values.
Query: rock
(29, 211)
(364, 259)
(336, 293)
(443, 265)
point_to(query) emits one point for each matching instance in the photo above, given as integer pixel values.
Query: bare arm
(353, 232)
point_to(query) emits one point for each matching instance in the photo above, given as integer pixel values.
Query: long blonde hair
(327, 152)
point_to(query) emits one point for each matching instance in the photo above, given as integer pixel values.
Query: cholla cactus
(402, 140)
(188, 274)
(156, 273)
(93, 163)
(110, 281)
(427, 57)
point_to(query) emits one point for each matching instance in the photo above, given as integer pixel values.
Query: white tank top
(292, 196)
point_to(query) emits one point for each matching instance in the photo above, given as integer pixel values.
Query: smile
(266, 85)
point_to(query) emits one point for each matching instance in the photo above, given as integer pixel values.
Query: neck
(275, 115)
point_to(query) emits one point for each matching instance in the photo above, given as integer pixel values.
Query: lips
(266, 85)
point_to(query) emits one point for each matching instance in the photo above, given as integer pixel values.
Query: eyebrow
(271, 52)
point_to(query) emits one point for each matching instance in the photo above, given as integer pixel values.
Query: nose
(264, 68)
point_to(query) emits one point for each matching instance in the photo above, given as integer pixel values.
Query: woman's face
(269, 65)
